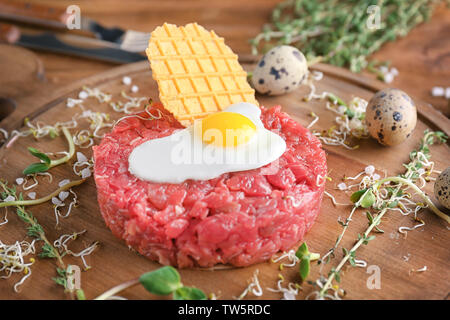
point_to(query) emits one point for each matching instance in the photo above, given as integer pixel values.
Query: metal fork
(129, 40)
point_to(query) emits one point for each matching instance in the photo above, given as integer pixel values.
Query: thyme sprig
(336, 31)
(372, 197)
(36, 231)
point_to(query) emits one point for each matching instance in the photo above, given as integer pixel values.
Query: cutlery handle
(9, 33)
(33, 14)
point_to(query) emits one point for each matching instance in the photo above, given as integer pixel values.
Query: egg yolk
(227, 129)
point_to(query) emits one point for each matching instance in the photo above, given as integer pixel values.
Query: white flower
(288, 295)
(73, 102)
(342, 109)
(63, 195)
(63, 182)
(369, 169)
(19, 181)
(83, 95)
(394, 72)
(376, 176)
(56, 201)
(86, 173)
(388, 77)
(81, 157)
(32, 195)
(86, 114)
(9, 198)
(437, 92)
(126, 80)
(384, 69)
(342, 186)
(134, 88)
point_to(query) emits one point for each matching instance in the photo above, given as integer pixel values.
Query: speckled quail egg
(391, 116)
(442, 188)
(280, 70)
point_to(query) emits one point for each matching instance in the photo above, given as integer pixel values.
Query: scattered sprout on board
(35, 231)
(13, 260)
(379, 196)
(349, 121)
(12, 256)
(254, 287)
(163, 281)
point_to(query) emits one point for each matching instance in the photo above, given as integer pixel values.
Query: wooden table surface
(422, 57)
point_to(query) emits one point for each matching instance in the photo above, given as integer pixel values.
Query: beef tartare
(239, 218)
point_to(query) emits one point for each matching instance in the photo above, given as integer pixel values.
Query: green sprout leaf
(189, 293)
(39, 155)
(357, 195)
(80, 294)
(349, 113)
(305, 260)
(35, 168)
(365, 198)
(368, 199)
(47, 252)
(304, 268)
(302, 251)
(163, 281)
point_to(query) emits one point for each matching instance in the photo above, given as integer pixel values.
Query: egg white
(183, 155)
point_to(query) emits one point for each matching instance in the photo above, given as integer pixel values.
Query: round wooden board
(114, 263)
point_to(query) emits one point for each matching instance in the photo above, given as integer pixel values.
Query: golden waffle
(197, 73)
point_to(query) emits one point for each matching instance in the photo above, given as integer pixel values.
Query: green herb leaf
(349, 113)
(304, 268)
(368, 199)
(47, 252)
(80, 294)
(302, 251)
(163, 281)
(39, 155)
(189, 293)
(357, 195)
(35, 168)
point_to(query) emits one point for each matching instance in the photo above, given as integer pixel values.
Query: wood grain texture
(422, 57)
(114, 263)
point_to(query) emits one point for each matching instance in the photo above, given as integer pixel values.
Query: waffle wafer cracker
(197, 73)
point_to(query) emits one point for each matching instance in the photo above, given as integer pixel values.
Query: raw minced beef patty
(238, 218)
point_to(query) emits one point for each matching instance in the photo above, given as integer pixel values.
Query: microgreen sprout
(254, 287)
(46, 163)
(83, 167)
(290, 255)
(305, 258)
(97, 93)
(163, 281)
(130, 105)
(21, 202)
(349, 121)
(34, 230)
(12, 260)
(58, 202)
(289, 293)
(62, 242)
(380, 196)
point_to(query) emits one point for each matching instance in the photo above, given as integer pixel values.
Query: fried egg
(228, 141)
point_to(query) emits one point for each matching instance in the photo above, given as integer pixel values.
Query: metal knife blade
(104, 51)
